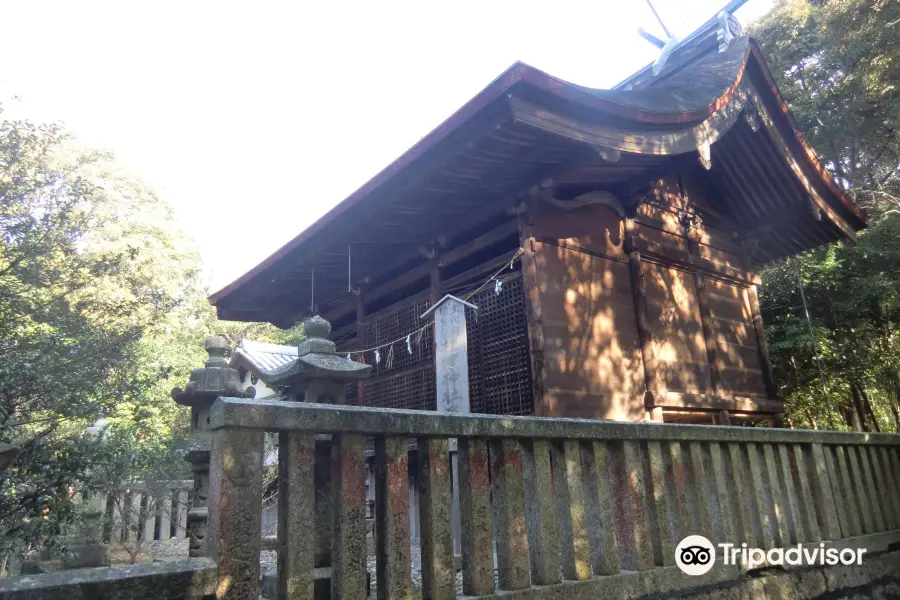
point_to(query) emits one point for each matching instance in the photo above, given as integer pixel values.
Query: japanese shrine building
(643, 213)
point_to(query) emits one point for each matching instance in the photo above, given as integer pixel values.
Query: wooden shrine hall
(634, 220)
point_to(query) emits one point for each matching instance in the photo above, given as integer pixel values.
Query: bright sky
(255, 118)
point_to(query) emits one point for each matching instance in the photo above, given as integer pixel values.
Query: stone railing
(153, 512)
(566, 508)
(185, 579)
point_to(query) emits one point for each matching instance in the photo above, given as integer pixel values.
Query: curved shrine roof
(525, 126)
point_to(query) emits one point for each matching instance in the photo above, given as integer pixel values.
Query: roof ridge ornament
(729, 29)
(664, 54)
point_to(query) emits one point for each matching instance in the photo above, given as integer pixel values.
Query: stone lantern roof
(317, 359)
(213, 380)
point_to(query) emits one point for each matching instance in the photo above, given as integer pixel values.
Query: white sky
(254, 118)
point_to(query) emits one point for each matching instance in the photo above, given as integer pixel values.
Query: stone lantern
(318, 374)
(212, 381)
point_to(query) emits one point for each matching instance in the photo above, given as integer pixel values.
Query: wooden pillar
(709, 336)
(434, 278)
(360, 343)
(639, 294)
(765, 363)
(753, 304)
(533, 314)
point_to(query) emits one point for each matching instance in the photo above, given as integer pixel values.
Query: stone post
(337, 503)
(451, 372)
(85, 543)
(205, 385)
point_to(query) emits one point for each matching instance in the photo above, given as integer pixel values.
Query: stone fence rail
(156, 511)
(574, 508)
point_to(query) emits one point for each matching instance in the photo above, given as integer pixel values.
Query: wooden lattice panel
(411, 389)
(351, 389)
(391, 326)
(499, 367)
(406, 380)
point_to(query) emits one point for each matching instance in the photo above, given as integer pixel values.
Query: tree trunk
(851, 419)
(867, 404)
(857, 415)
(811, 419)
(893, 392)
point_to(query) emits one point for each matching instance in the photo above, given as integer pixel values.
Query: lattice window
(411, 389)
(342, 347)
(406, 380)
(499, 367)
(391, 326)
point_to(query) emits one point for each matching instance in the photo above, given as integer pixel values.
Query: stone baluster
(569, 479)
(543, 507)
(509, 514)
(435, 508)
(477, 525)
(392, 548)
(149, 514)
(632, 511)
(181, 500)
(808, 526)
(212, 381)
(235, 511)
(321, 498)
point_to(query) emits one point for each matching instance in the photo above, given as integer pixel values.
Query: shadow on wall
(592, 353)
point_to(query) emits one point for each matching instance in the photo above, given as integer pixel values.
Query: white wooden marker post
(451, 372)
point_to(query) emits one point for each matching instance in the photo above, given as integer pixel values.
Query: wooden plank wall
(592, 355)
(699, 319)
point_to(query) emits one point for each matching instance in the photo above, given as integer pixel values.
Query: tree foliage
(102, 312)
(837, 63)
(91, 269)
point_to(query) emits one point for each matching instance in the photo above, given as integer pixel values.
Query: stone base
(321, 584)
(86, 555)
(119, 557)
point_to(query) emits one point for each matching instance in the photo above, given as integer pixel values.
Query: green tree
(91, 268)
(838, 65)
(837, 62)
(102, 313)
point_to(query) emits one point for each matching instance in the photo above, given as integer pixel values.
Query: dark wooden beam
(533, 313)
(498, 234)
(717, 403)
(424, 270)
(787, 155)
(759, 330)
(360, 342)
(639, 297)
(668, 142)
